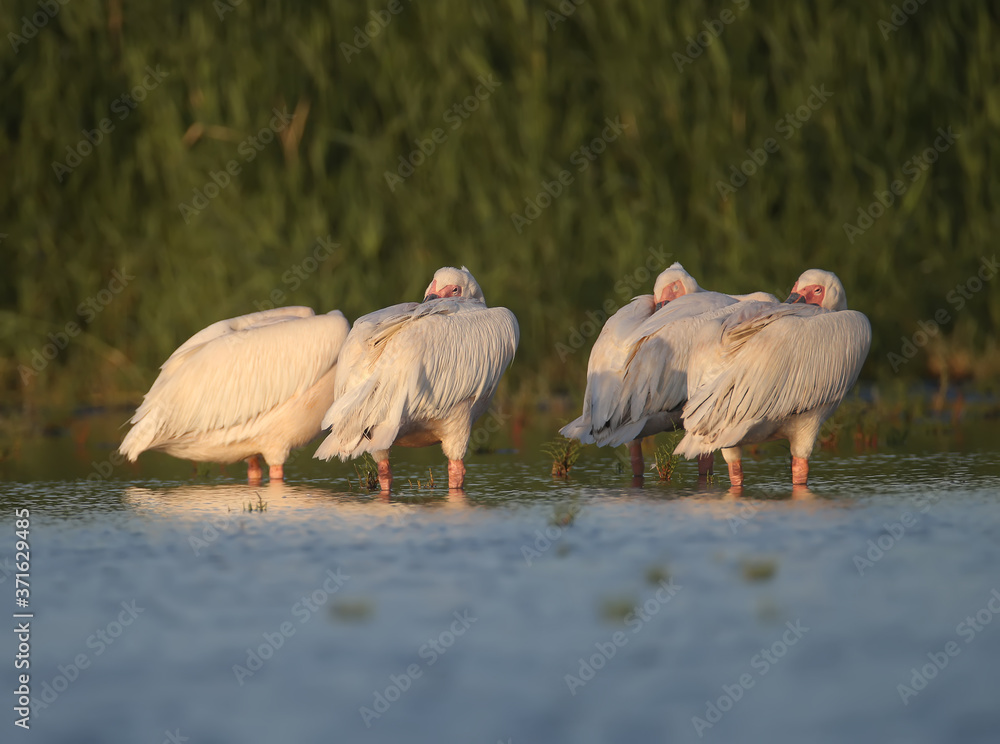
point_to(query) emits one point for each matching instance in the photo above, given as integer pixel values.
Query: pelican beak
(795, 297)
(658, 305)
(431, 297)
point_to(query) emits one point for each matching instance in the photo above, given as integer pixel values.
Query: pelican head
(451, 282)
(673, 283)
(818, 287)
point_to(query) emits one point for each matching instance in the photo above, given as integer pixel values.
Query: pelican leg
(736, 473)
(733, 457)
(635, 454)
(254, 472)
(385, 475)
(277, 472)
(456, 474)
(706, 464)
(800, 471)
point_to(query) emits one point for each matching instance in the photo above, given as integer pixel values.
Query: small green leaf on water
(352, 611)
(617, 609)
(657, 574)
(758, 569)
(564, 515)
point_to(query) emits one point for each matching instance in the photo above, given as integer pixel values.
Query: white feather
(753, 374)
(255, 384)
(637, 373)
(605, 370)
(415, 374)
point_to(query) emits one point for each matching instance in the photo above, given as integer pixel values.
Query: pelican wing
(234, 371)
(706, 358)
(656, 375)
(241, 323)
(356, 346)
(766, 363)
(756, 297)
(648, 373)
(606, 368)
(415, 362)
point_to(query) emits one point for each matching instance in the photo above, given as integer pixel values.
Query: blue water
(525, 610)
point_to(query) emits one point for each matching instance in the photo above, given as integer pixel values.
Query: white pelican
(637, 373)
(416, 374)
(774, 372)
(257, 384)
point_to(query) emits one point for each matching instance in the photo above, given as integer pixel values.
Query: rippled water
(525, 610)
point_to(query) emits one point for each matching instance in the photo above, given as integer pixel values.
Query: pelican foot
(736, 473)
(635, 454)
(384, 476)
(456, 474)
(254, 472)
(800, 471)
(706, 464)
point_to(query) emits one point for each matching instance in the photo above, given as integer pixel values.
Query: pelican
(637, 373)
(257, 384)
(416, 374)
(774, 372)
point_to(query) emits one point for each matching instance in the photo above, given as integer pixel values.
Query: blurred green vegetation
(224, 68)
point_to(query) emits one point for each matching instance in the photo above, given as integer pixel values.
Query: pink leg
(802, 493)
(456, 473)
(736, 473)
(706, 463)
(635, 454)
(254, 473)
(800, 471)
(277, 472)
(384, 475)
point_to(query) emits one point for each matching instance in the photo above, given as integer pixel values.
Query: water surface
(527, 609)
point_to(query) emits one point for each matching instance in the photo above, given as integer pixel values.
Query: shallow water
(335, 615)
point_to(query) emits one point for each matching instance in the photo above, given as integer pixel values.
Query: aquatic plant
(665, 459)
(429, 483)
(367, 472)
(260, 506)
(713, 153)
(564, 453)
